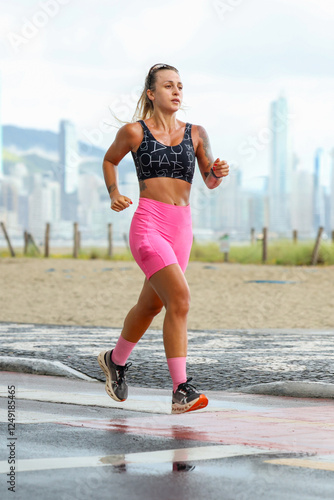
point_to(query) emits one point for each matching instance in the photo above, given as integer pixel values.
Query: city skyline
(253, 147)
(290, 198)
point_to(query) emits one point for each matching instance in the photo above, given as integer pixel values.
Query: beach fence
(264, 237)
(4, 230)
(29, 242)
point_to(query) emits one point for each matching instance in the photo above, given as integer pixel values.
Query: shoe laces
(120, 370)
(186, 387)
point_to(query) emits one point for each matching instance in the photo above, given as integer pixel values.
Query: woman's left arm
(212, 171)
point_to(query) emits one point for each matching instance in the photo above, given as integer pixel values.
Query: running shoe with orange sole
(187, 398)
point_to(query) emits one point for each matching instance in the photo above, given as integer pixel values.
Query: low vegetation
(282, 252)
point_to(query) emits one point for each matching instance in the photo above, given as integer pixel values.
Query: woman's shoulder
(131, 128)
(198, 129)
(131, 132)
(199, 134)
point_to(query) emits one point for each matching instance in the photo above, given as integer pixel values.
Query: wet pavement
(71, 441)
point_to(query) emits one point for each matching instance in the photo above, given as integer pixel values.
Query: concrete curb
(291, 389)
(56, 368)
(40, 367)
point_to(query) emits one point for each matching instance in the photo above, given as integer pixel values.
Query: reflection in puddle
(155, 462)
(156, 468)
(120, 468)
(182, 467)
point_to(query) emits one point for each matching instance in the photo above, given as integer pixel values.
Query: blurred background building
(54, 178)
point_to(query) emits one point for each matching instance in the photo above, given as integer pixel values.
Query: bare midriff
(166, 190)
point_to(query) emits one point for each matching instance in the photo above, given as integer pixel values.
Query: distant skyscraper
(1, 152)
(257, 211)
(44, 204)
(302, 206)
(202, 203)
(280, 168)
(318, 190)
(227, 213)
(69, 164)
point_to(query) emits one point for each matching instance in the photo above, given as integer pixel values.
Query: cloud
(269, 39)
(159, 30)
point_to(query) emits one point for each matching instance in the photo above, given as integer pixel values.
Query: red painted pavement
(303, 429)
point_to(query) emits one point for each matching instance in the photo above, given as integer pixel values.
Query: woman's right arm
(125, 141)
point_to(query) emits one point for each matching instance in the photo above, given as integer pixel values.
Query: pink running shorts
(160, 235)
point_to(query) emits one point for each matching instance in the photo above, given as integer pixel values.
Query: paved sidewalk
(217, 360)
(71, 439)
(70, 436)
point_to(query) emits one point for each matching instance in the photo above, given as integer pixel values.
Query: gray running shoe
(187, 398)
(116, 386)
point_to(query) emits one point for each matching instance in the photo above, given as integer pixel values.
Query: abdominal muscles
(166, 190)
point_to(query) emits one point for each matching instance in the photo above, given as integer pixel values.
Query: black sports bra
(153, 159)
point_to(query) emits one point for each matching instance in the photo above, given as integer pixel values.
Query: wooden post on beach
(225, 246)
(26, 241)
(47, 240)
(3, 227)
(32, 241)
(126, 239)
(109, 240)
(75, 240)
(265, 245)
(252, 236)
(295, 236)
(316, 247)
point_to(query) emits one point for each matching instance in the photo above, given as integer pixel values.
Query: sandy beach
(97, 292)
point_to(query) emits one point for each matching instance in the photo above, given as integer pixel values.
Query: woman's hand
(120, 202)
(220, 168)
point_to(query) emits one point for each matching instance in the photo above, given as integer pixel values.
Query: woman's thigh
(171, 286)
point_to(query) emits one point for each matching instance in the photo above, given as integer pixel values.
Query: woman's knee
(179, 303)
(150, 307)
(155, 309)
(170, 285)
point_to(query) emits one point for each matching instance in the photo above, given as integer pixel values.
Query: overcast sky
(72, 59)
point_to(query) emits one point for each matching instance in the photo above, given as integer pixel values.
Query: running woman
(164, 150)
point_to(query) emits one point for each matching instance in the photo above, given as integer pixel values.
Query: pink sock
(177, 370)
(122, 351)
